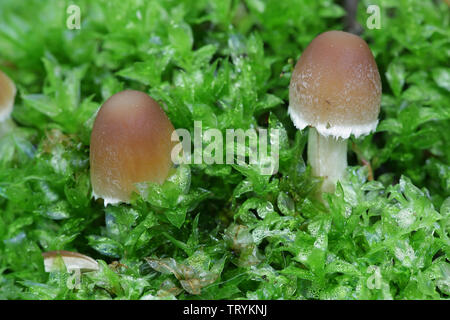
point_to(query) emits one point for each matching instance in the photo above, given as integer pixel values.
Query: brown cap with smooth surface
(130, 143)
(7, 95)
(336, 87)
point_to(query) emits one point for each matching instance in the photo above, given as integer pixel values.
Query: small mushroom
(130, 143)
(7, 95)
(335, 89)
(73, 261)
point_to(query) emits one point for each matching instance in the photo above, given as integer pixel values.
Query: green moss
(218, 231)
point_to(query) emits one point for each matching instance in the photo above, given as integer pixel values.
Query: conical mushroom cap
(130, 143)
(7, 95)
(336, 87)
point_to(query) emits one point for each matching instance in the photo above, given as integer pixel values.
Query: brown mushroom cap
(336, 87)
(130, 143)
(7, 95)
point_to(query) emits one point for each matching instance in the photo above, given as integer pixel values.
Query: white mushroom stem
(327, 156)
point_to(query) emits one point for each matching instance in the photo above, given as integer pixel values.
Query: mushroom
(77, 263)
(73, 261)
(335, 89)
(130, 143)
(7, 95)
